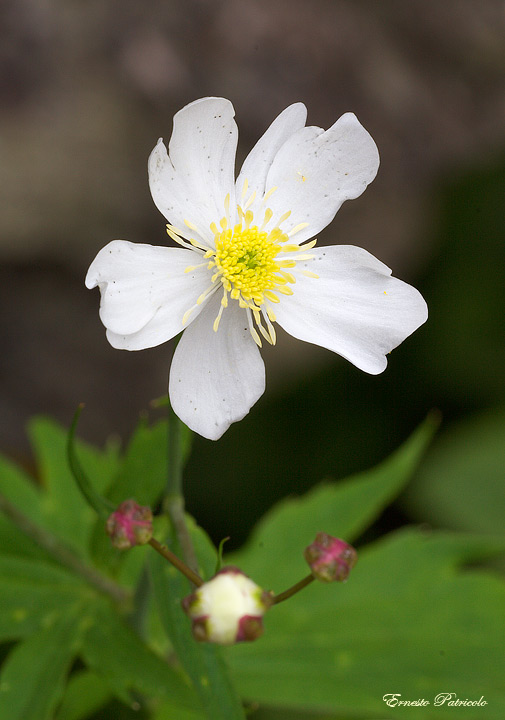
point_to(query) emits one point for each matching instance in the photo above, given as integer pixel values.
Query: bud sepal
(130, 524)
(330, 559)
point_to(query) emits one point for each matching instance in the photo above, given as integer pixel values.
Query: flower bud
(330, 558)
(227, 609)
(131, 524)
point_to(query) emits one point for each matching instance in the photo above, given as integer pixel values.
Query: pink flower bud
(129, 525)
(330, 558)
(227, 609)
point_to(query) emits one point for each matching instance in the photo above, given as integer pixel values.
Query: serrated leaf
(409, 621)
(273, 556)
(460, 484)
(33, 595)
(203, 662)
(113, 651)
(64, 508)
(33, 676)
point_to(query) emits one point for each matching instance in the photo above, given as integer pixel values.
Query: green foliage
(460, 484)
(89, 625)
(409, 621)
(273, 555)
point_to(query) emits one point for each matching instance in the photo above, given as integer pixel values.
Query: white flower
(247, 260)
(227, 609)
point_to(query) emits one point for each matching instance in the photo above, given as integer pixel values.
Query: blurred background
(87, 88)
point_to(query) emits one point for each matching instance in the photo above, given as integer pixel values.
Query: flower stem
(292, 590)
(64, 555)
(173, 503)
(102, 507)
(176, 562)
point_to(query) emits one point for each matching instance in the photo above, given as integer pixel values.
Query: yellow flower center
(245, 263)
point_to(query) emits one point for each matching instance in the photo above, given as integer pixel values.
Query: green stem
(102, 506)
(193, 577)
(292, 590)
(64, 555)
(173, 503)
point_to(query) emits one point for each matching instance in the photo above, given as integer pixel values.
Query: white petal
(258, 162)
(216, 377)
(354, 308)
(145, 291)
(316, 171)
(192, 181)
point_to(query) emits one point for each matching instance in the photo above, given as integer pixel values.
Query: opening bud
(227, 609)
(131, 524)
(330, 558)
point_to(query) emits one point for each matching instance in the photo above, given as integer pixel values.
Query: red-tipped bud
(330, 558)
(131, 524)
(227, 609)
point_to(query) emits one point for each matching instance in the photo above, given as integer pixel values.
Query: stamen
(244, 189)
(227, 207)
(297, 228)
(268, 216)
(186, 315)
(250, 264)
(271, 329)
(310, 274)
(271, 296)
(270, 313)
(216, 321)
(190, 268)
(284, 217)
(199, 245)
(176, 238)
(265, 334)
(252, 329)
(208, 291)
(270, 192)
(250, 201)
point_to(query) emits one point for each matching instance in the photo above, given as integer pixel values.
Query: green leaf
(19, 488)
(168, 711)
(117, 655)
(410, 620)
(273, 556)
(33, 676)
(33, 595)
(143, 473)
(65, 510)
(203, 662)
(460, 483)
(85, 693)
